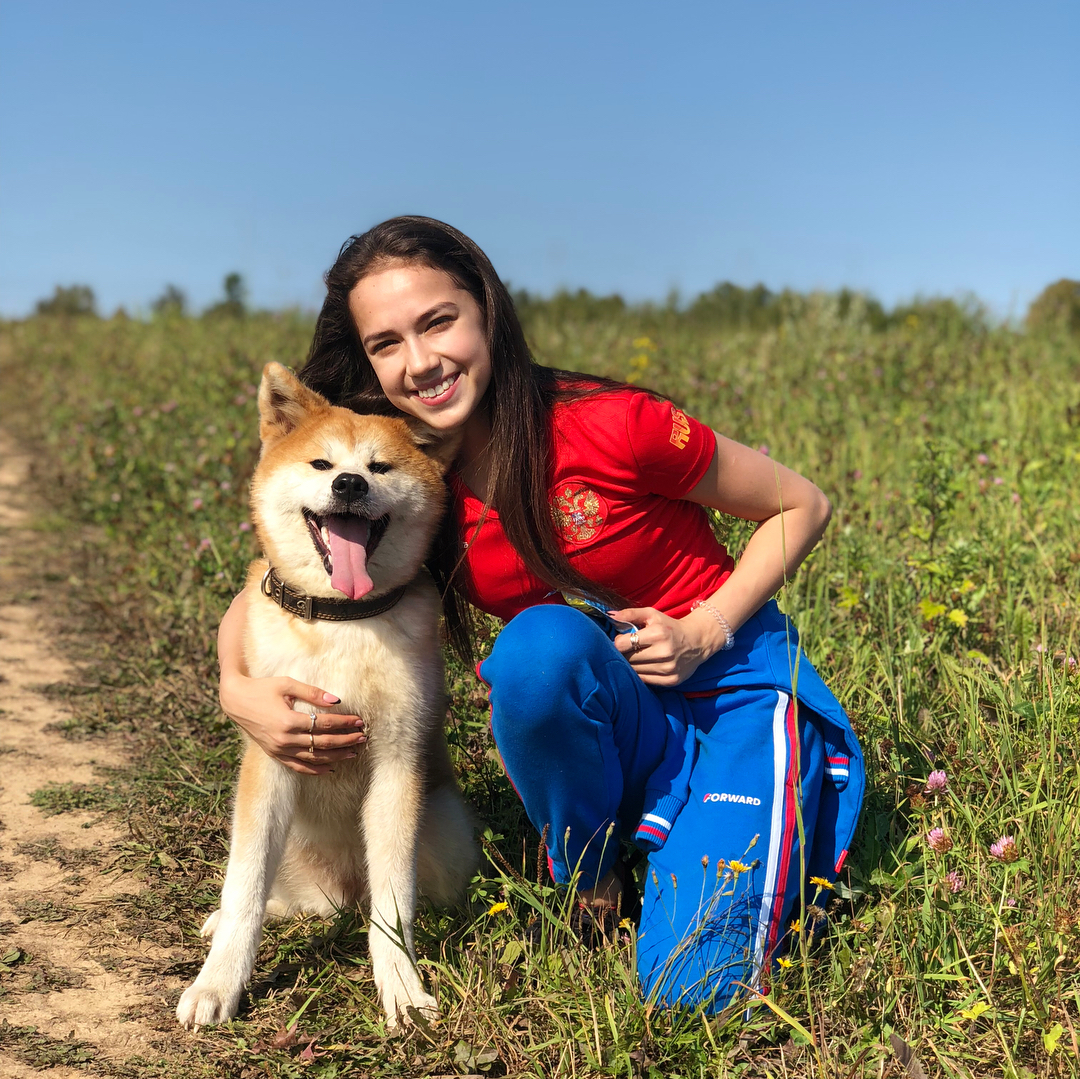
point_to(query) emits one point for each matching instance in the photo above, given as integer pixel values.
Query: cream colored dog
(345, 507)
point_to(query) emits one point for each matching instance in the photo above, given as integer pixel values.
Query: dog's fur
(391, 821)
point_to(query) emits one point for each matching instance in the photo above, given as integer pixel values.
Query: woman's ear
(442, 447)
(284, 402)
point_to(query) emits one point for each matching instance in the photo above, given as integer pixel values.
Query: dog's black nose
(349, 486)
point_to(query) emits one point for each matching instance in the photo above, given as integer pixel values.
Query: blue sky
(928, 148)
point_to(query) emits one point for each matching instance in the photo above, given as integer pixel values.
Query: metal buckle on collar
(305, 608)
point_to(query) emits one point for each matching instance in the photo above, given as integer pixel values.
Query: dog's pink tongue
(348, 546)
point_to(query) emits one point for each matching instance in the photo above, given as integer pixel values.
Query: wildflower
(626, 923)
(1004, 849)
(498, 908)
(983, 459)
(204, 544)
(245, 526)
(1070, 664)
(1011, 901)
(998, 481)
(796, 926)
(196, 503)
(240, 399)
(739, 867)
(821, 882)
(137, 410)
(783, 963)
(954, 881)
(857, 474)
(1039, 648)
(763, 448)
(938, 841)
(225, 485)
(169, 406)
(937, 782)
(1015, 498)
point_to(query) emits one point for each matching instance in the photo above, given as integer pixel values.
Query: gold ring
(311, 751)
(634, 642)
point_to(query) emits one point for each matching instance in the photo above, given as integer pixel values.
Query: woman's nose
(419, 358)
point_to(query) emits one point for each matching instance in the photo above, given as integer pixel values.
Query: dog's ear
(284, 402)
(440, 446)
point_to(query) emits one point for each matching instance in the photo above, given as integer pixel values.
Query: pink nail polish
(331, 699)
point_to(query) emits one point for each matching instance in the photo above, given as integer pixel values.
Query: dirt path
(95, 995)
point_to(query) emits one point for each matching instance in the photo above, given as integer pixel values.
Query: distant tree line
(78, 301)
(727, 306)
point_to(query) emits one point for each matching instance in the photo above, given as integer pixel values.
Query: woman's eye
(443, 320)
(321, 465)
(378, 467)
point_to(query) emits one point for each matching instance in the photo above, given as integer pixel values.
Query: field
(941, 608)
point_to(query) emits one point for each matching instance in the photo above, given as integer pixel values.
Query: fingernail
(331, 699)
(349, 756)
(358, 723)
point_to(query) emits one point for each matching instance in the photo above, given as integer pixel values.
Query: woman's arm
(793, 515)
(263, 707)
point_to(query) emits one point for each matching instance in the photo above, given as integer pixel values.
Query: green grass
(941, 608)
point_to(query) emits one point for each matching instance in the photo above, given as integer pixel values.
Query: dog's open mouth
(345, 542)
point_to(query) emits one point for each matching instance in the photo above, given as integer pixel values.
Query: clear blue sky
(631, 147)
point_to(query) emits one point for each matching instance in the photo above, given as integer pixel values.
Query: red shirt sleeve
(672, 450)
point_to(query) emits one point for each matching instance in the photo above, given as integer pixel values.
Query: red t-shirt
(623, 463)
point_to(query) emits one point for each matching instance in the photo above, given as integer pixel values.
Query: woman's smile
(437, 395)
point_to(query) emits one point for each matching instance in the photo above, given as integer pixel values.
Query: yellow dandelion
(796, 926)
(821, 882)
(784, 963)
(498, 908)
(626, 924)
(739, 867)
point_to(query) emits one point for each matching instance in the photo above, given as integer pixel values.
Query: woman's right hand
(263, 707)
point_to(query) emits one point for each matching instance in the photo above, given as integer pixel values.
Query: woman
(682, 712)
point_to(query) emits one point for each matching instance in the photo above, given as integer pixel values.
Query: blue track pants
(580, 735)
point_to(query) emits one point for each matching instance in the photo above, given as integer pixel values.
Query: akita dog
(345, 507)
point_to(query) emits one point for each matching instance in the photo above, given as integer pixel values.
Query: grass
(941, 608)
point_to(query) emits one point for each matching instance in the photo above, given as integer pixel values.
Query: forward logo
(742, 799)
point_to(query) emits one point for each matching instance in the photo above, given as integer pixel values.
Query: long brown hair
(519, 399)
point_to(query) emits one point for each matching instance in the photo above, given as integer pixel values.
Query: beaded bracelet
(730, 641)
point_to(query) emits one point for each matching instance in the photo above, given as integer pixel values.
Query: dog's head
(343, 504)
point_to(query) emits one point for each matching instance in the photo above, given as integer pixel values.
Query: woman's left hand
(667, 650)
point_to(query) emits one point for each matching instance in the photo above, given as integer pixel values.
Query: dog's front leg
(265, 799)
(391, 821)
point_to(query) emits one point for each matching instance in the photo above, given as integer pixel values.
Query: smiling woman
(664, 709)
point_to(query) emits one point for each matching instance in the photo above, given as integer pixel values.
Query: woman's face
(425, 339)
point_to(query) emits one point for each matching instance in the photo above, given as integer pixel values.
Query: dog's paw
(210, 924)
(204, 1005)
(402, 1007)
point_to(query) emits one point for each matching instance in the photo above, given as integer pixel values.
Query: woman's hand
(263, 708)
(668, 650)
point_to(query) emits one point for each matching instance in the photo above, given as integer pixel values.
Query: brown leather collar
(325, 610)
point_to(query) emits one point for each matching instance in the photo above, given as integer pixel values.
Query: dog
(345, 507)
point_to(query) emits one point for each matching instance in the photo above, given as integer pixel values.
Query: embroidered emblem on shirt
(577, 511)
(680, 429)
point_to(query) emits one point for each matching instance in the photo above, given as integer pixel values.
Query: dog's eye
(378, 467)
(321, 465)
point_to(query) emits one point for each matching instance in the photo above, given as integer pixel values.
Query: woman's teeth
(442, 387)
